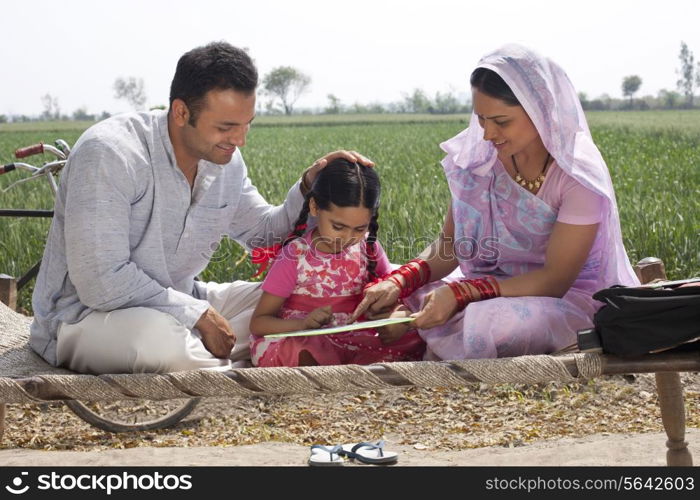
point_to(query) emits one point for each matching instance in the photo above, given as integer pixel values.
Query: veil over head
(550, 100)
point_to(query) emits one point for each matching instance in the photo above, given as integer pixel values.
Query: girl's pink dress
(309, 278)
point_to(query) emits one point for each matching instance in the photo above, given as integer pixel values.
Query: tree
(630, 85)
(52, 110)
(3, 119)
(132, 90)
(271, 108)
(334, 106)
(81, 114)
(583, 98)
(445, 103)
(669, 99)
(287, 84)
(417, 102)
(689, 74)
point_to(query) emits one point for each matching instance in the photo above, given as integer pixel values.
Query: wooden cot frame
(256, 381)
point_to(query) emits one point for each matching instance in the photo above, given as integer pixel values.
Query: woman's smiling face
(508, 127)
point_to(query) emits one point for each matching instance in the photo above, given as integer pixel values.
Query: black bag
(637, 321)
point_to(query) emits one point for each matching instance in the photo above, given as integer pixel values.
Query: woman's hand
(309, 175)
(378, 298)
(318, 317)
(438, 307)
(392, 333)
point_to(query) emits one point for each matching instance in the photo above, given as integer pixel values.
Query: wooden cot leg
(670, 391)
(668, 384)
(8, 291)
(2, 420)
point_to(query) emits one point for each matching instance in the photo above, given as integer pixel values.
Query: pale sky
(359, 50)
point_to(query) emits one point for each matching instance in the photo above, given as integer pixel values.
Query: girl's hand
(438, 307)
(379, 297)
(318, 317)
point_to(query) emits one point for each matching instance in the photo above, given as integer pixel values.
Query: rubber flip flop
(324, 456)
(369, 453)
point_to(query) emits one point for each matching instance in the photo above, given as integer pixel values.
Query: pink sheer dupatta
(550, 100)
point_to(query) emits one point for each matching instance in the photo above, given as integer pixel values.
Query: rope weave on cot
(305, 380)
(11, 392)
(427, 373)
(523, 369)
(589, 365)
(79, 386)
(142, 384)
(343, 378)
(207, 383)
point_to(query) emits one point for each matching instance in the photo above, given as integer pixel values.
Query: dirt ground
(607, 421)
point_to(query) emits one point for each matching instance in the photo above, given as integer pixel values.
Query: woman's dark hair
(219, 66)
(345, 184)
(490, 83)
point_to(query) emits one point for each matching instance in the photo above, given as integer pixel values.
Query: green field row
(654, 159)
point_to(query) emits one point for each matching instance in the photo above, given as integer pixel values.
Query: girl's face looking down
(339, 227)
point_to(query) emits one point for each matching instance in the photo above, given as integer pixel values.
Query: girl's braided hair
(345, 184)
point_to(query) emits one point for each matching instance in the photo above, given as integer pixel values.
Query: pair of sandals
(368, 453)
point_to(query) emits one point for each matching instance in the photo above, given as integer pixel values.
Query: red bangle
(467, 292)
(462, 293)
(481, 288)
(487, 288)
(409, 276)
(425, 268)
(413, 277)
(495, 284)
(457, 291)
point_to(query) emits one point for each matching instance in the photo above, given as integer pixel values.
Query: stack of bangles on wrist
(414, 277)
(487, 287)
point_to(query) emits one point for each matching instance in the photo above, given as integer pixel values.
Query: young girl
(318, 277)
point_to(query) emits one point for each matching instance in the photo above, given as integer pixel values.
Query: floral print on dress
(338, 279)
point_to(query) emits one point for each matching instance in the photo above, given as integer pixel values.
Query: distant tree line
(665, 99)
(683, 97)
(284, 85)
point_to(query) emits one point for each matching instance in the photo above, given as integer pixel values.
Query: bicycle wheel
(133, 415)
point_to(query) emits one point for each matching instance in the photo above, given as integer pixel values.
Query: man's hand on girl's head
(309, 175)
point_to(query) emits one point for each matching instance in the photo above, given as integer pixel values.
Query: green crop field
(654, 159)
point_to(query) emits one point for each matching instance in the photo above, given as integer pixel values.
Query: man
(143, 199)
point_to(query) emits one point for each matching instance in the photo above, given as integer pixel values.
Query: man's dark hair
(216, 66)
(490, 83)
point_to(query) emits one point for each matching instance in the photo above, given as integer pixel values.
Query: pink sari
(503, 230)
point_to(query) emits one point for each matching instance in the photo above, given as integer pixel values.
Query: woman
(533, 224)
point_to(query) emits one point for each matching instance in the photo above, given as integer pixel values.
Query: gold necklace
(534, 184)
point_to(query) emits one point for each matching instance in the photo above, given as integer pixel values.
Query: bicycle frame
(49, 170)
